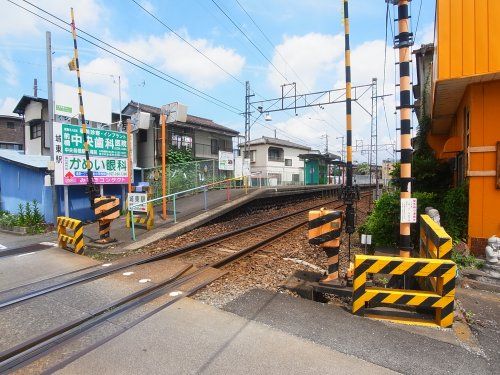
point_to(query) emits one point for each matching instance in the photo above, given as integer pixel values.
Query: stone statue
(492, 250)
(433, 214)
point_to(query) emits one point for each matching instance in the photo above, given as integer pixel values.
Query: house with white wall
(275, 161)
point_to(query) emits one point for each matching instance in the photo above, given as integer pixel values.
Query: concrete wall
(202, 144)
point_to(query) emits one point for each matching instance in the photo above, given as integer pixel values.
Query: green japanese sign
(101, 142)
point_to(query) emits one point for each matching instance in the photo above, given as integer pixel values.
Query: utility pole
(403, 41)
(35, 85)
(372, 156)
(325, 137)
(50, 105)
(349, 193)
(247, 118)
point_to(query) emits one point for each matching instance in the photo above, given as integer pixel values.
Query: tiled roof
(191, 120)
(33, 161)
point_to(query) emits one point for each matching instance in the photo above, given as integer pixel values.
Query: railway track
(205, 261)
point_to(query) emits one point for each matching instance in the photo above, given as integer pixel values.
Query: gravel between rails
(270, 267)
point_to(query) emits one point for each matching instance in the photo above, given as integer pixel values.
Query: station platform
(191, 214)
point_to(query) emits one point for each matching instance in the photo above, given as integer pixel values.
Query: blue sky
(308, 49)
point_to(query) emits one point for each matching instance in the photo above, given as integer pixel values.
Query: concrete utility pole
(50, 105)
(403, 42)
(372, 156)
(247, 118)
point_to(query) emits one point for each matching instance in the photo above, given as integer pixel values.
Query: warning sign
(408, 210)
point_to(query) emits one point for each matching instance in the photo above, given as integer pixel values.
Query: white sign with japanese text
(108, 155)
(408, 210)
(138, 199)
(226, 161)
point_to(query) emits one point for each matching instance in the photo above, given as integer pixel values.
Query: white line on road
(48, 244)
(2, 247)
(22, 255)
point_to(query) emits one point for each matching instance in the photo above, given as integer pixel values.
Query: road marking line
(48, 244)
(142, 281)
(128, 273)
(22, 255)
(2, 247)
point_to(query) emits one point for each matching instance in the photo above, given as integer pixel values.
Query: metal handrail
(174, 196)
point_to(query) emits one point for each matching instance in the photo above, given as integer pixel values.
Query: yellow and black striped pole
(75, 65)
(403, 42)
(349, 193)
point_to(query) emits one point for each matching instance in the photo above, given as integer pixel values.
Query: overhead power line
(250, 40)
(172, 80)
(189, 43)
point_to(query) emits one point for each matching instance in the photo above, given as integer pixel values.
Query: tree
(363, 169)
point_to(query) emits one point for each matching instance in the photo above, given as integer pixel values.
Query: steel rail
(40, 345)
(120, 266)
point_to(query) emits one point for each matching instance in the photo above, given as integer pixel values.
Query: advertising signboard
(67, 103)
(108, 155)
(226, 161)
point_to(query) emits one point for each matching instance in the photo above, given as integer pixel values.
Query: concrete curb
(194, 222)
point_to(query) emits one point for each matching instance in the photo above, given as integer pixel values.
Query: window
(288, 162)
(142, 135)
(214, 146)
(35, 131)
(10, 125)
(295, 178)
(275, 154)
(11, 146)
(182, 141)
(251, 155)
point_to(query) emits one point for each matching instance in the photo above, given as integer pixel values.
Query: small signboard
(138, 199)
(238, 167)
(226, 161)
(408, 210)
(108, 152)
(246, 167)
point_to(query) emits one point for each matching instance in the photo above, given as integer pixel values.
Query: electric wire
(172, 80)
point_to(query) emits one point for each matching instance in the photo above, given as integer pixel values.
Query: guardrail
(442, 299)
(173, 197)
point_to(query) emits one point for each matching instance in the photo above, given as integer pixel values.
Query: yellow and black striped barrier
(76, 240)
(106, 209)
(143, 219)
(325, 228)
(434, 241)
(442, 299)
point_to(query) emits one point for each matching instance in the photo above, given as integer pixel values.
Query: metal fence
(185, 176)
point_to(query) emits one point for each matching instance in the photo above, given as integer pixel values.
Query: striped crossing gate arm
(442, 300)
(64, 239)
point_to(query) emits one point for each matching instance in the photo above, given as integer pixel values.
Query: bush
(465, 261)
(455, 212)
(28, 216)
(383, 223)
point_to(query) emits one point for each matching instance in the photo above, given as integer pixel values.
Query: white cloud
(7, 105)
(174, 56)
(308, 58)
(9, 70)
(18, 23)
(367, 62)
(147, 5)
(425, 35)
(99, 75)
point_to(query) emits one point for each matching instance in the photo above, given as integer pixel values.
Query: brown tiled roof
(191, 120)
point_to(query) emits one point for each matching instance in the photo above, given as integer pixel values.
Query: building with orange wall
(463, 97)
